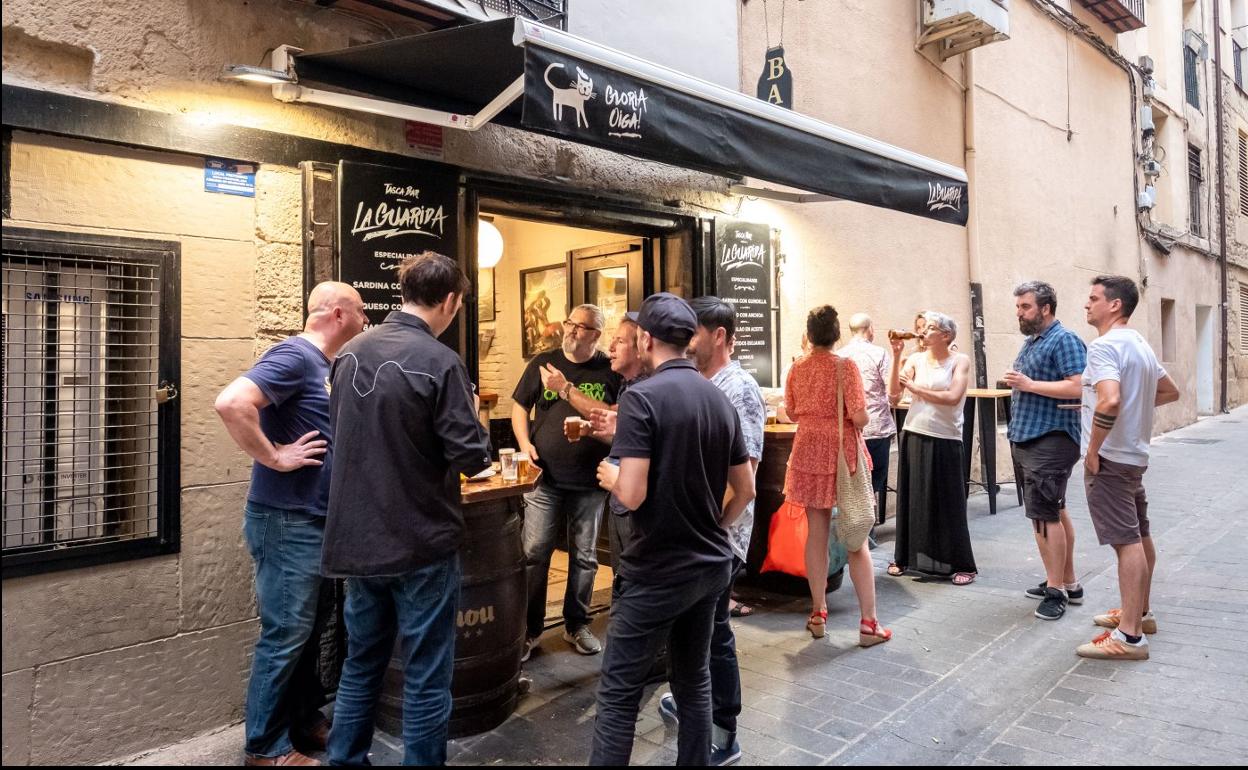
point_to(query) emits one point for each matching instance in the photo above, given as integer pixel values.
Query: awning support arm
(292, 92)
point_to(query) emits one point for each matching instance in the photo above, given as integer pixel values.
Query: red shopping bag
(786, 541)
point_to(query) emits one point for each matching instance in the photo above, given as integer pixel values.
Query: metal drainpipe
(978, 330)
(1222, 300)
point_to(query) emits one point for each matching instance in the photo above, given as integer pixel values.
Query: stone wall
(105, 661)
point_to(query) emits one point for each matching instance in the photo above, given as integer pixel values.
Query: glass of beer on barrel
(574, 428)
(524, 465)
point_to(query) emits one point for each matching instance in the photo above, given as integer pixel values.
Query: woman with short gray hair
(932, 535)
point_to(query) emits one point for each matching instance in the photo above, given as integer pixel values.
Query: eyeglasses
(579, 327)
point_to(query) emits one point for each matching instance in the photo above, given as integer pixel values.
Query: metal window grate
(553, 13)
(1191, 78)
(1194, 178)
(1243, 174)
(1243, 319)
(1238, 52)
(82, 343)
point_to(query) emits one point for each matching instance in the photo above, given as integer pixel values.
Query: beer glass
(507, 463)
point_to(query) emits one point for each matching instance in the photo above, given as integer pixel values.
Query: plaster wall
(696, 37)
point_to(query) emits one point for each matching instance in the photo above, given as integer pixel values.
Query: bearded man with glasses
(556, 385)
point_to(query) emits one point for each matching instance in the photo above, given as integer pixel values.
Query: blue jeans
(284, 689)
(543, 513)
(642, 617)
(418, 607)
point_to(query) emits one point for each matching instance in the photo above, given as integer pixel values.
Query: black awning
(576, 90)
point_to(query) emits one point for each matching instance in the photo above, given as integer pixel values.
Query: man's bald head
(860, 324)
(335, 312)
(328, 295)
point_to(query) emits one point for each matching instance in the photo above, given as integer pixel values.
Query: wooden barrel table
(490, 623)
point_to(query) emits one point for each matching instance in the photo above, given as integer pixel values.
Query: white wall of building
(697, 37)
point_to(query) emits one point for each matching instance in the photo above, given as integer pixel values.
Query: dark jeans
(544, 510)
(643, 616)
(284, 690)
(725, 674)
(418, 607)
(878, 449)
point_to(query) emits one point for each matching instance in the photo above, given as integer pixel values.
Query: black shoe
(1074, 597)
(1053, 606)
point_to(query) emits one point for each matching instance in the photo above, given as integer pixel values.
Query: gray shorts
(1044, 465)
(1117, 503)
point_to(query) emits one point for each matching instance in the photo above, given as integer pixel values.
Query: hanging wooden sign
(775, 85)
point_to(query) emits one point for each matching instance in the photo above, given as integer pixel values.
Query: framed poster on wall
(543, 308)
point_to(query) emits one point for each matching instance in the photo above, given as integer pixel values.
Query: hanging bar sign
(775, 85)
(387, 214)
(744, 279)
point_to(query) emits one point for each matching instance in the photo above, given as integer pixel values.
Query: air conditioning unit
(957, 26)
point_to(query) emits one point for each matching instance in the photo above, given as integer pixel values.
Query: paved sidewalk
(971, 677)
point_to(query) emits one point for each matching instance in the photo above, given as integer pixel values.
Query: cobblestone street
(971, 677)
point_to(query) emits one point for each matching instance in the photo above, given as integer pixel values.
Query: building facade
(116, 113)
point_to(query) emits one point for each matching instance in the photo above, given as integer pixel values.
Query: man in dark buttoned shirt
(405, 427)
(680, 446)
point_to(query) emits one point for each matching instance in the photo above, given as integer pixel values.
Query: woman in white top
(932, 536)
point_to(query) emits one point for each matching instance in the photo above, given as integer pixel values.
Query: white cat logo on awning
(574, 96)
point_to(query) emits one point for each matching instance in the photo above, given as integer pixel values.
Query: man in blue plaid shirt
(1045, 438)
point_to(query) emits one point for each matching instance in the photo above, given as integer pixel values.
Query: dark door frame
(527, 199)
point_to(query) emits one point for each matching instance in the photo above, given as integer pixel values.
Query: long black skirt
(932, 536)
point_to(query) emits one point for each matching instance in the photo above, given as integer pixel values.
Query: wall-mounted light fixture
(251, 74)
(489, 244)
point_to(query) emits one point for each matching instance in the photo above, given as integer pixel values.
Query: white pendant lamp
(489, 244)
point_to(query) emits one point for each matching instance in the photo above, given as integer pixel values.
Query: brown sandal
(895, 570)
(817, 624)
(870, 633)
(964, 578)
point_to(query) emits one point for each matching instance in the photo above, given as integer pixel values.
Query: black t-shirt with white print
(566, 465)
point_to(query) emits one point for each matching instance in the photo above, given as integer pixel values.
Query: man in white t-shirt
(1122, 386)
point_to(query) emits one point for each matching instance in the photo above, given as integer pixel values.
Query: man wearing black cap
(680, 446)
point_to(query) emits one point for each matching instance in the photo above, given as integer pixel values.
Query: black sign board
(591, 104)
(745, 278)
(386, 214)
(775, 85)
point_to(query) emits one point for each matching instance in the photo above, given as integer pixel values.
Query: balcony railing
(1119, 15)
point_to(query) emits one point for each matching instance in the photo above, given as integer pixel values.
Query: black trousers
(642, 617)
(878, 448)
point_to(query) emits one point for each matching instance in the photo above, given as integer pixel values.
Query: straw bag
(855, 499)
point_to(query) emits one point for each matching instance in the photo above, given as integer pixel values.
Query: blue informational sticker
(230, 177)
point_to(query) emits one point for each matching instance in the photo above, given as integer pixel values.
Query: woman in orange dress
(810, 400)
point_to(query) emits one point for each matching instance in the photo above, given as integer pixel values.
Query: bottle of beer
(901, 334)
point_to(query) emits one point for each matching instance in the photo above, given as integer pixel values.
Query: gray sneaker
(583, 641)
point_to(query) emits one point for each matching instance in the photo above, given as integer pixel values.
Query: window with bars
(1191, 78)
(1243, 319)
(1243, 173)
(90, 425)
(1194, 179)
(553, 13)
(1238, 51)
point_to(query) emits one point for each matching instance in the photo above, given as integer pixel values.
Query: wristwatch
(565, 391)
